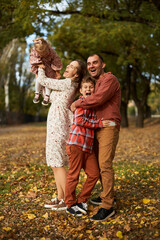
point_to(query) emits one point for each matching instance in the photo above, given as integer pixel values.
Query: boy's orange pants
(79, 159)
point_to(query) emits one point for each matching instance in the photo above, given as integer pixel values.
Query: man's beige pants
(107, 140)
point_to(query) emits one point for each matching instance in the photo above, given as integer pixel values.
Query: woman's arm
(54, 84)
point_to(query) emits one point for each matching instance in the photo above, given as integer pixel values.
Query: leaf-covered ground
(26, 184)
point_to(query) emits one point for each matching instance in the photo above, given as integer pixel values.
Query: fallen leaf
(146, 200)
(31, 194)
(7, 229)
(31, 216)
(127, 227)
(1, 218)
(119, 234)
(45, 216)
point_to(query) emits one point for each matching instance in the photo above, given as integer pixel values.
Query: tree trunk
(125, 90)
(140, 95)
(147, 112)
(6, 92)
(5, 62)
(124, 122)
(140, 117)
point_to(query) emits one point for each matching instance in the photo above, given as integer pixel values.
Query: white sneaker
(54, 202)
(60, 206)
(74, 211)
(82, 207)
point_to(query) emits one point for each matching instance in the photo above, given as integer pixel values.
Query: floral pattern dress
(59, 118)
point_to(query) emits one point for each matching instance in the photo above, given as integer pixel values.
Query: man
(106, 101)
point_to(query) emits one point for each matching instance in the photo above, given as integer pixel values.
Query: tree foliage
(125, 33)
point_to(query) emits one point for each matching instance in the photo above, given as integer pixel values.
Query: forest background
(126, 33)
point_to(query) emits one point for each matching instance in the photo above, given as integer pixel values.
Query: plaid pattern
(82, 129)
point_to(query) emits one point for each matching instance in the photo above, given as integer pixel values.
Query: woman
(59, 122)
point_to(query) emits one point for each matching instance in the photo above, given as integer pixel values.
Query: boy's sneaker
(60, 206)
(103, 214)
(82, 207)
(52, 203)
(96, 201)
(74, 211)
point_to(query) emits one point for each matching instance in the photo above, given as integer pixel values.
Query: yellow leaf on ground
(47, 227)
(31, 216)
(146, 200)
(45, 216)
(54, 195)
(7, 229)
(119, 234)
(138, 207)
(151, 208)
(103, 238)
(35, 189)
(88, 231)
(1, 218)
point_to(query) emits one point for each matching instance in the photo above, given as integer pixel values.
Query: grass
(26, 183)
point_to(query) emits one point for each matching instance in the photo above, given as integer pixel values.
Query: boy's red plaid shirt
(82, 129)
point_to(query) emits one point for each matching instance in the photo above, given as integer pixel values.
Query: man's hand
(105, 123)
(72, 107)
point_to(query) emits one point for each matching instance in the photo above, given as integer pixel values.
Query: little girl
(45, 56)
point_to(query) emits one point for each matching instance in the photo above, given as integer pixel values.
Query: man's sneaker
(74, 211)
(60, 207)
(96, 201)
(82, 207)
(52, 203)
(103, 214)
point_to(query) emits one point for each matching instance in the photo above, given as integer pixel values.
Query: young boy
(80, 151)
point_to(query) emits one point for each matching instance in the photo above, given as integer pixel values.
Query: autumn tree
(15, 79)
(125, 33)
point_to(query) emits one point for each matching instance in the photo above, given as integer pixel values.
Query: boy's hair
(87, 79)
(41, 46)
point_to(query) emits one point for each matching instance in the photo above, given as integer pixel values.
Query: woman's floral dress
(59, 118)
